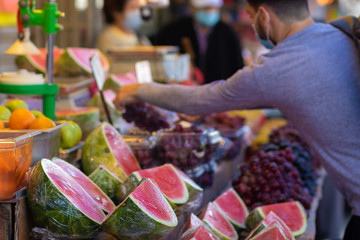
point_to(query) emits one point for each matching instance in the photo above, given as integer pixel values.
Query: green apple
(14, 104)
(4, 113)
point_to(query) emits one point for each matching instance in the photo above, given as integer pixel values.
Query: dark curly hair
(111, 6)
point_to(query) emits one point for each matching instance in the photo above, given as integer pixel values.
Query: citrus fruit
(77, 129)
(1, 125)
(4, 113)
(20, 119)
(41, 123)
(37, 113)
(69, 136)
(14, 104)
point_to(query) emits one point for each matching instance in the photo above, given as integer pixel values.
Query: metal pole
(50, 59)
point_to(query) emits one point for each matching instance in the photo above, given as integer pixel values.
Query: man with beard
(311, 74)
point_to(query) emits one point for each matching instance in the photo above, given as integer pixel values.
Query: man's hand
(126, 94)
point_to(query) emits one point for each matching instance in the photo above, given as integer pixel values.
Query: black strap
(350, 25)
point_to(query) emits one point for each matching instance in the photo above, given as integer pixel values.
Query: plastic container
(15, 160)
(46, 144)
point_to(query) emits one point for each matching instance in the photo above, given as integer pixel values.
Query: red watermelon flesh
(82, 57)
(200, 233)
(39, 60)
(94, 191)
(292, 214)
(121, 151)
(169, 182)
(218, 223)
(148, 197)
(123, 79)
(273, 232)
(232, 206)
(72, 190)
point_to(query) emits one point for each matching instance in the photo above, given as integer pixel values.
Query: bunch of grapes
(185, 147)
(145, 116)
(270, 177)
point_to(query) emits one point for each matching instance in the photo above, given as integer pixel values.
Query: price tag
(143, 72)
(97, 70)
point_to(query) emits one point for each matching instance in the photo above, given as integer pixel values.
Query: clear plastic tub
(15, 160)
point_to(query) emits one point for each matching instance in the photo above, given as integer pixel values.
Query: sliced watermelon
(145, 214)
(90, 187)
(232, 207)
(106, 181)
(217, 223)
(88, 118)
(37, 63)
(76, 62)
(58, 203)
(272, 232)
(114, 82)
(109, 96)
(192, 187)
(169, 182)
(193, 222)
(269, 219)
(292, 214)
(105, 146)
(200, 233)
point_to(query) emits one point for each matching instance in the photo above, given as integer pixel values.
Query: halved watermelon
(217, 223)
(88, 118)
(272, 232)
(76, 61)
(232, 207)
(90, 187)
(114, 82)
(106, 181)
(200, 233)
(105, 146)
(292, 214)
(37, 63)
(59, 204)
(145, 214)
(168, 180)
(271, 218)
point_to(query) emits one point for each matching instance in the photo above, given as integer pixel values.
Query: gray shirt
(313, 78)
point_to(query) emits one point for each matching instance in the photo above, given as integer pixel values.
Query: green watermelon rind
(191, 186)
(129, 221)
(236, 224)
(106, 181)
(97, 151)
(256, 216)
(258, 235)
(111, 84)
(84, 67)
(54, 211)
(23, 62)
(96, 101)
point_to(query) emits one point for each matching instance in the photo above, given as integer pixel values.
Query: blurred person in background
(213, 44)
(124, 19)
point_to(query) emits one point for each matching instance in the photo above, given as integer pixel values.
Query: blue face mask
(133, 19)
(208, 18)
(267, 43)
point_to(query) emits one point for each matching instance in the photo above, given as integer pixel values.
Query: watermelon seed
(107, 150)
(123, 205)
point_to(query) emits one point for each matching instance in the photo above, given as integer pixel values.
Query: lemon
(14, 104)
(4, 113)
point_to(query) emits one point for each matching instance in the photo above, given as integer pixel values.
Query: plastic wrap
(60, 205)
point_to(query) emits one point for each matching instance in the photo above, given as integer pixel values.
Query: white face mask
(267, 43)
(133, 19)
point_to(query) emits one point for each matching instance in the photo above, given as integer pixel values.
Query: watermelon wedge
(168, 180)
(270, 219)
(105, 146)
(106, 181)
(232, 207)
(145, 214)
(76, 62)
(37, 63)
(114, 82)
(192, 187)
(89, 186)
(58, 203)
(217, 223)
(200, 233)
(272, 232)
(88, 118)
(292, 214)
(193, 222)
(109, 96)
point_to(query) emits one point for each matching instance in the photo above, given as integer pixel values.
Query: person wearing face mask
(311, 74)
(124, 19)
(216, 47)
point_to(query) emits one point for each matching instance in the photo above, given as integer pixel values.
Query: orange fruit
(41, 123)
(2, 125)
(20, 119)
